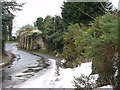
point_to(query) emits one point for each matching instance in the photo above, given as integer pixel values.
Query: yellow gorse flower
(65, 38)
(90, 46)
(89, 29)
(32, 31)
(75, 42)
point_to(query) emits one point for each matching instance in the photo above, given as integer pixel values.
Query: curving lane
(24, 67)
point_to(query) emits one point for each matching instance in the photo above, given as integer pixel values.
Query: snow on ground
(50, 79)
(108, 86)
(66, 75)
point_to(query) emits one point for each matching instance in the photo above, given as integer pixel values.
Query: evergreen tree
(83, 12)
(39, 23)
(52, 29)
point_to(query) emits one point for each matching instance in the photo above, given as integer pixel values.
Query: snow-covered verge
(108, 86)
(66, 75)
(50, 78)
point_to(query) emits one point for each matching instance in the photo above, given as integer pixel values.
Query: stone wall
(30, 43)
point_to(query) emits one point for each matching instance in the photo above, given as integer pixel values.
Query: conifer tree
(83, 12)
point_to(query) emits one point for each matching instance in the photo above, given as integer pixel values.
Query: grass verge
(10, 61)
(49, 53)
(0, 57)
(10, 42)
(44, 51)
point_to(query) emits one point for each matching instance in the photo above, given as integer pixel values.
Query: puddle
(35, 66)
(31, 70)
(25, 76)
(7, 78)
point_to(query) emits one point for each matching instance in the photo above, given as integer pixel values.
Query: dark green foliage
(118, 64)
(49, 27)
(83, 12)
(98, 42)
(103, 35)
(55, 38)
(55, 42)
(7, 16)
(12, 38)
(39, 23)
(59, 24)
(52, 30)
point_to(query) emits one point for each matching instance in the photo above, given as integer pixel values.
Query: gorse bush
(98, 43)
(103, 35)
(74, 43)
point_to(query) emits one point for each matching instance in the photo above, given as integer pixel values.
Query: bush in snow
(85, 82)
(98, 42)
(103, 35)
(74, 45)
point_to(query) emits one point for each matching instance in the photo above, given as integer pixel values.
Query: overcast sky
(39, 8)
